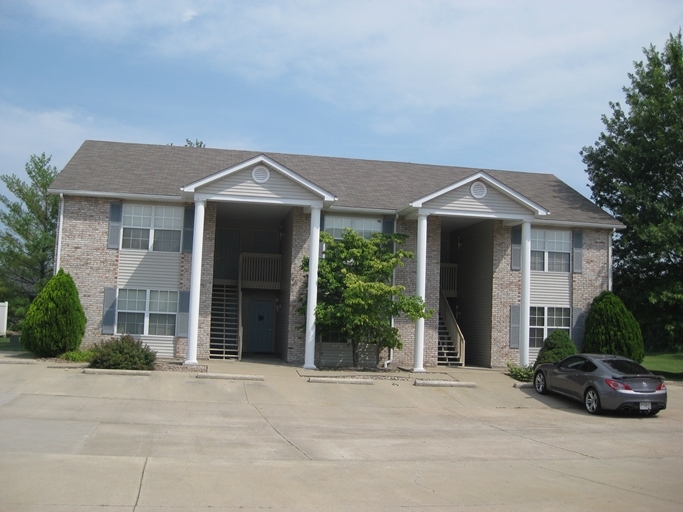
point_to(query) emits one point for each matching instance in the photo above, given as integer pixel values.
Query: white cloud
(393, 54)
(55, 132)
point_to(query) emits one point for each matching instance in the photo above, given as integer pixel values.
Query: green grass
(668, 365)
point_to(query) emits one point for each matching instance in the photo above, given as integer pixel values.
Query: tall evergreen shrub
(612, 329)
(55, 321)
(556, 347)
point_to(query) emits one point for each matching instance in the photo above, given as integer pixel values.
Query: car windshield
(625, 367)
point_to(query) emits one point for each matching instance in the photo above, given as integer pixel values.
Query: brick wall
(84, 255)
(300, 231)
(407, 276)
(507, 290)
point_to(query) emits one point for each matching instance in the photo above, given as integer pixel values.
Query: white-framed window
(545, 319)
(151, 312)
(152, 228)
(551, 250)
(364, 226)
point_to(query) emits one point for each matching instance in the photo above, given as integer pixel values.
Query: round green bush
(55, 321)
(612, 329)
(556, 347)
(123, 353)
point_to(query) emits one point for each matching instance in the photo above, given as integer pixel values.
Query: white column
(195, 281)
(420, 290)
(312, 298)
(526, 295)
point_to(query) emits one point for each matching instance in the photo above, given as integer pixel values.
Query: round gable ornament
(260, 174)
(478, 190)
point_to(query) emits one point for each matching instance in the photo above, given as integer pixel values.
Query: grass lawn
(668, 365)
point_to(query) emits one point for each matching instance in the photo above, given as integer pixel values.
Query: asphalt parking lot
(268, 438)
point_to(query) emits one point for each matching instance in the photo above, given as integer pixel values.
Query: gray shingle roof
(121, 168)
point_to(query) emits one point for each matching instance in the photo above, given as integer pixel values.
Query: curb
(131, 373)
(522, 385)
(444, 383)
(229, 376)
(340, 380)
(7, 361)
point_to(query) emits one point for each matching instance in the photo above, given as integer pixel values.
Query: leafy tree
(55, 321)
(612, 329)
(556, 347)
(356, 297)
(196, 144)
(27, 235)
(636, 171)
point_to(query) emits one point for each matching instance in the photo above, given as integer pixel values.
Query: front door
(261, 321)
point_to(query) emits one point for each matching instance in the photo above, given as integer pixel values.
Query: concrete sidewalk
(172, 441)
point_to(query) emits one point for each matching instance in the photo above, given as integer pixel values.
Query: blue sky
(517, 85)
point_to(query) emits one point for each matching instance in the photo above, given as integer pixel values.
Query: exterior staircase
(448, 354)
(224, 342)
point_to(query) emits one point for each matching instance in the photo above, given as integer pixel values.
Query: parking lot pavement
(171, 441)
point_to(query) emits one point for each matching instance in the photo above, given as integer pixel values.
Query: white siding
(241, 184)
(162, 345)
(551, 289)
(149, 270)
(461, 200)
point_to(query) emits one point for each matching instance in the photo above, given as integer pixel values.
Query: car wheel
(539, 383)
(592, 401)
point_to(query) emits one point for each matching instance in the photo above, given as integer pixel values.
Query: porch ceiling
(252, 212)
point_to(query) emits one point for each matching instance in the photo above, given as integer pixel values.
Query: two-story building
(198, 251)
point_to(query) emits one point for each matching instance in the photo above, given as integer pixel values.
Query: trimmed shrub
(77, 356)
(612, 329)
(55, 321)
(123, 353)
(521, 373)
(556, 347)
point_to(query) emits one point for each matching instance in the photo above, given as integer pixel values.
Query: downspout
(610, 263)
(58, 249)
(393, 282)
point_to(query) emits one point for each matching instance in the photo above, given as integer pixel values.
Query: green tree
(55, 321)
(612, 329)
(356, 296)
(196, 144)
(636, 172)
(27, 235)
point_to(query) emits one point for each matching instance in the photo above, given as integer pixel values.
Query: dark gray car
(603, 382)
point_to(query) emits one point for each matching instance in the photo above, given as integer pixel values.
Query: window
(364, 226)
(150, 312)
(551, 250)
(155, 228)
(544, 320)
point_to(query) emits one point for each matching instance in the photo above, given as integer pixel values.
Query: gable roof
(113, 169)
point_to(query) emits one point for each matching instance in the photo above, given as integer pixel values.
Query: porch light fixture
(260, 174)
(478, 190)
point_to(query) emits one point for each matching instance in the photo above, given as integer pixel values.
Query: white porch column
(526, 295)
(421, 290)
(312, 298)
(195, 281)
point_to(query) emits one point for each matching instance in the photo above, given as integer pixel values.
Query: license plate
(645, 406)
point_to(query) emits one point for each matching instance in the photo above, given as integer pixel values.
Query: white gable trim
(516, 196)
(261, 159)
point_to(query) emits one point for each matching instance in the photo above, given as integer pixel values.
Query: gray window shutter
(182, 320)
(514, 325)
(577, 327)
(115, 218)
(322, 222)
(578, 252)
(109, 311)
(188, 228)
(516, 259)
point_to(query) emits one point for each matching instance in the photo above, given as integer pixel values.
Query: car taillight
(617, 385)
(661, 387)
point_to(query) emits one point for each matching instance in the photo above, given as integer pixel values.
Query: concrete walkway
(172, 441)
